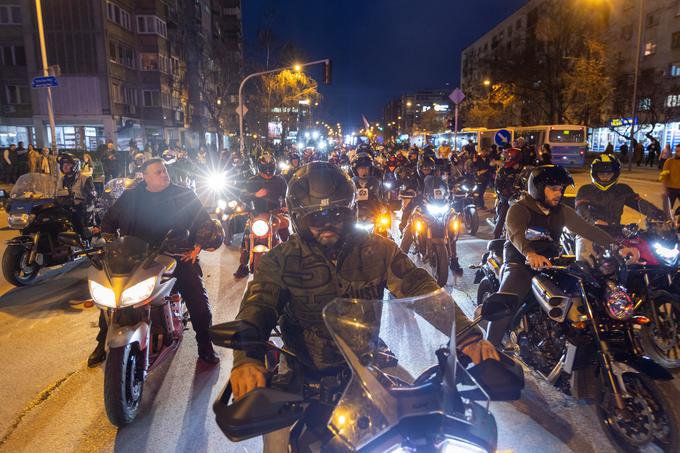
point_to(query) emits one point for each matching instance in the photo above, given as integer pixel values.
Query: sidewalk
(645, 174)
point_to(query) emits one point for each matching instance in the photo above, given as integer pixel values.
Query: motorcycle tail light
(619, 304)
(260, 228)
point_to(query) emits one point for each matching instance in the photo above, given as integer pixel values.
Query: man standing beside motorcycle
(533, 228)
(507, 184)
(263, 193)
(325, 259)
(149, 211)
(82, 189)
(483, 168)
(601, 203)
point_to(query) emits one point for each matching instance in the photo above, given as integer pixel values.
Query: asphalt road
(52, 402)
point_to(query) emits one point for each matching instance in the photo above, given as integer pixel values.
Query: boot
(207, 354)
(241, 272)
(455, 267)
(97, 356)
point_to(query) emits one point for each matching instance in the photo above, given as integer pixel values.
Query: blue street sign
(502, 137)
(45, 82)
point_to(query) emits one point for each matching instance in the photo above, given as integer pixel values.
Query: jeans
(501, 213)
(190, 286)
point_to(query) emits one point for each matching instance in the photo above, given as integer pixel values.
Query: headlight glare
(669, 256)
(260, 228)
(138, 292)
(221, 204)
(102, 295)
(435, 209)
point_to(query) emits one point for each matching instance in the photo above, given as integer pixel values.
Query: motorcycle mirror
(69, 238)
(502, 380)
(235, 335)
(259, 412)
(498, 306)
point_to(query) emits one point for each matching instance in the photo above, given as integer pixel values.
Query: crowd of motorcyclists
(320, 198)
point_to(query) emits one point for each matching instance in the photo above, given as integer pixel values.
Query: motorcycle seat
(496, 246)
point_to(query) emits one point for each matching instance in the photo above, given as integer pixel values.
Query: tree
(588, 90)
(500, 107)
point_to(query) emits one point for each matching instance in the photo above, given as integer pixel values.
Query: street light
(409, 103)
(487, 82)
(297, 68)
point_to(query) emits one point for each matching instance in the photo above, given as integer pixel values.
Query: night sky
(380, 48)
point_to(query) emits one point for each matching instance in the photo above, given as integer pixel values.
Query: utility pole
(638, 51)
(46, 72)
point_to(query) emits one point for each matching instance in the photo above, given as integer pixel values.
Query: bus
(568, 142)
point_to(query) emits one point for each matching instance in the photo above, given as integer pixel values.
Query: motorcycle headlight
(138, 292)
(260, 228)
(19, 221)
(364, 226)
(216, 181)
(283, 166)
(388, 185)
(385, 220)
(464, 187)
(232, 204)
(221, 204)
(102, 295)
(619, 304)
(436, 209)
(669, 256)
(458, 446)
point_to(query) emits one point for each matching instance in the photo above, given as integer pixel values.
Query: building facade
(419, 112)
(124, 69)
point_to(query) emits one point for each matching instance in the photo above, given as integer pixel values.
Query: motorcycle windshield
(388, 345)
(123, 255)
(115, 188)
(34, 186)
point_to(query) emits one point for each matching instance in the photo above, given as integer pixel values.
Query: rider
(369, 193)
(149, 211)
(263, 193)
(426, 166)
(601, 203)
(135, 168)
(294, 164)
(325, 259)
(540, 212)
(507, 184)
(483, 169)
(82, 189)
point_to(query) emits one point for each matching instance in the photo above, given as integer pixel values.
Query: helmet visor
(330, 216)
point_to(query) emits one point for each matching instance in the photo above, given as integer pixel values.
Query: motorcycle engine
(541, 343)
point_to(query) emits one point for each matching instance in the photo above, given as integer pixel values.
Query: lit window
(650, 48)
(675, 70)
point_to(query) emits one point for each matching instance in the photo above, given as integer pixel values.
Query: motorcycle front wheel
(661, 339)
(15, 268)
(123, 384)
(440, 264)
(471, 219)
(650, 417)
(485, 289)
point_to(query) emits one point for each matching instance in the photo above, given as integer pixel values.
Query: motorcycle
(463, 196)
(392, 398)
(233, 217)
(262, 230)
(40, 214)
(576, 330)
(390, 186)
(379, 222)
(436, 227)
(134, 283)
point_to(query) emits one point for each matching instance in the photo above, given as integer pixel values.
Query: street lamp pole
(297, 67)
(46, 72)
(636, 71)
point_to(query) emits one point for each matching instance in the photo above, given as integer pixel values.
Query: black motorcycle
(40, 214)
(463, 195)
(577, 330)
(383, 394)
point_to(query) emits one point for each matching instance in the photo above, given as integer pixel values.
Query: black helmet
(365, 148)
(426, 162)
(210, 235)
(266, 165)
(70, 159)
(413, 154)
(361, 159)
(319, 192)
(547, 175)
(605, 164)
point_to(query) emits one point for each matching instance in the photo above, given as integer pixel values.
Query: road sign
(457, 96)
(238, 110)
(502, 137)
(45, 82)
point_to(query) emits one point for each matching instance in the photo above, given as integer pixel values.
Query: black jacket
(607, 205)
(276, 193)
(181, 209)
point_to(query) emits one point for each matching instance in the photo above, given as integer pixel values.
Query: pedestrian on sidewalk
(670, 177)
(665, 155)
(33, 156)
(638, 152)
(653, 150)
(624, 152)
(10, 162)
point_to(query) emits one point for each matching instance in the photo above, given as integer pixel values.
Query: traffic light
(327, 72)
